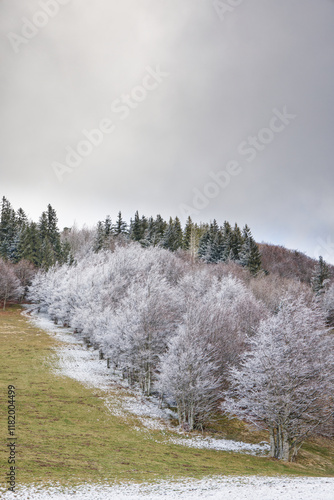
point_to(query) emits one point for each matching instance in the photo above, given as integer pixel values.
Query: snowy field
(252, 488)
(80, 363)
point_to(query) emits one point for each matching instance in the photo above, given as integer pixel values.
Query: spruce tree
(99, 238)
(172, 238)
(320, 277)
(108, 227)
(30, 247)
(136, 232)
(8, 229)
(120, 227)
(249, 256)
(187, 233)
(236, 242)
(53, 232)
(205, 247)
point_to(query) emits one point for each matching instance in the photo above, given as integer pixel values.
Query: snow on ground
(231, 488)
(221, 444)
(77, 361)
(81, 363)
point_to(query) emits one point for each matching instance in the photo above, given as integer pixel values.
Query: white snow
(75, 360)
(221, 444)
(215, 488)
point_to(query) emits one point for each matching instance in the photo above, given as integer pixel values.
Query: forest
(202, 317)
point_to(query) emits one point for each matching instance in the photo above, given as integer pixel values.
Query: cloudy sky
(217, 109)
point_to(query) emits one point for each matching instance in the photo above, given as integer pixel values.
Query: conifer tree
(30, 247)
(320, 277)
(187, 233)
(236, 242)
(99, 238)
(136, 232)
(108, 227)
(249, 256)
(120, 227)
(172, 238)
(8, 228)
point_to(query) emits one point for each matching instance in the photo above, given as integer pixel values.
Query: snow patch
(77, 361)
(222, 444)
(215, 488)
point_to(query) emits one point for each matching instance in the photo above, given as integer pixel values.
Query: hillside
(287, 263)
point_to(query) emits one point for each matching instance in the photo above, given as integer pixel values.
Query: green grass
(66, 434)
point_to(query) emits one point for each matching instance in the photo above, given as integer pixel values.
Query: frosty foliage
(286, 380)
(175, 328)
(160, 322)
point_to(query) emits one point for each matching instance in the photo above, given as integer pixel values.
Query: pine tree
(136, 232)
(187, 233)
(120, 227)
(8, 228)
(30, 247)
(53, 232)
(250, 256)
(173, 236)
(320, 277)
(236, 242)
(48, 258)
(108, 227)
(205, 247)
(99, 238)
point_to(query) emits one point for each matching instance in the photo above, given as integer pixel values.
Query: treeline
(204, 338)
(38, 243)
(210, 243)
(42, 244)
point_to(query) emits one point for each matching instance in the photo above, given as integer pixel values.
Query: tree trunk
(279, 443)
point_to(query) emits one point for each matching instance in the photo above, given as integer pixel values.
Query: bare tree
(10, 288)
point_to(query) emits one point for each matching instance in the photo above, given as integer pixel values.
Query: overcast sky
(185, 90)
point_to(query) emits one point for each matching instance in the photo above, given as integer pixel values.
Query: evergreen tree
(108, 227)
(48, 258)
(99, 238)
(205, 247)
(21, 219)
(30, 247)
(120, 227)
(236, 242)
(250, 256)
(172, 238)
(187, 233)
(320, 277)
(8, 228)
(53, 232)
(136, 232)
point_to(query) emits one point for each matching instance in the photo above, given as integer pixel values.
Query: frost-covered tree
(285, 382)
(144, 321)
(188, 375)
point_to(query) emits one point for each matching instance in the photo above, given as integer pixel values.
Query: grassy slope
(66, 434)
